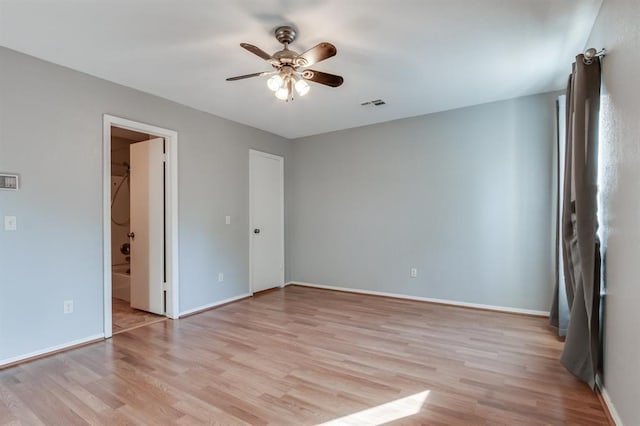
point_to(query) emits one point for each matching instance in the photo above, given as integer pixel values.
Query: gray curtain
(578, 224)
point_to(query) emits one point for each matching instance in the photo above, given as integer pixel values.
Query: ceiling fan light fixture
(288, 78)
(302, 87)
(275, 82)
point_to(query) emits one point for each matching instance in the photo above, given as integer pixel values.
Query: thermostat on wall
(9, 182)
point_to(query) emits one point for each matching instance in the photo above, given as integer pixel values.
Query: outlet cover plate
(10, 223)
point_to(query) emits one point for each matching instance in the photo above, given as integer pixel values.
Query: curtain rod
(591, 54)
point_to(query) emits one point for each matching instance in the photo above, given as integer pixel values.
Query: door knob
(131, 235)
(125, 249)
(256, 231)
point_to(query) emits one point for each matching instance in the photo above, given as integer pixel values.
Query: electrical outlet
(10, 223)
(220, 277)
(68, 307)
(414, 272)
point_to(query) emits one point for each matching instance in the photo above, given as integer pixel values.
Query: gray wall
(618, 31)
(51, 133)
(464, 196)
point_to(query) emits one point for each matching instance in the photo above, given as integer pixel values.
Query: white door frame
(280, 159)
(171, 206)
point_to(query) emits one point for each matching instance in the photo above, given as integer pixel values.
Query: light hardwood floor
(306, 356)
(127, 318)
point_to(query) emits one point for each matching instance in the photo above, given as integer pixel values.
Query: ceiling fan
(290, 68)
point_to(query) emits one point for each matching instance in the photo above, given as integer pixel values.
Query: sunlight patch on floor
(388, 412)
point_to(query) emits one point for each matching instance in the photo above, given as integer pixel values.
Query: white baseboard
(213, 305)
(51, 349)
(425, 299)
(612, 409)
(607, 400)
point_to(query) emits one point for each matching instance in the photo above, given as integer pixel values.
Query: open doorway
(140, 229)
(135, 302)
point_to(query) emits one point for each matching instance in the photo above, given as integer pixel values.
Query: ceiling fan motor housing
(285, 57)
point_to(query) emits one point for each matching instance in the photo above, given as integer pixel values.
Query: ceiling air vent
(375, 102)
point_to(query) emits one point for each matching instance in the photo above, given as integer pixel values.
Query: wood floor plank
(308, 356)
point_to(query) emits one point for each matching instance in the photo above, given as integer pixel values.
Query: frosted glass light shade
(282, 93)
(302, 87)
(275, 82)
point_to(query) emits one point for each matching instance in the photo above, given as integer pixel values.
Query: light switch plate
(10, 223)
(227, 220)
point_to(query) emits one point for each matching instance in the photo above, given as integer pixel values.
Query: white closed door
(266, 180)
(147, 225)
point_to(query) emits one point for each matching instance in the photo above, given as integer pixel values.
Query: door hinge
(164, 286)
(165, 157)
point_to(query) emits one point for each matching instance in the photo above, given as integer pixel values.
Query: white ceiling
(420, 56)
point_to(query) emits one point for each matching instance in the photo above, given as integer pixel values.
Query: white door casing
(172, 255)
(266, 220)
(147, 225)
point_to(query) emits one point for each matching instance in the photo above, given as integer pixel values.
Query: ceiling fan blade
(240, 77)
(322, 78)
(317, 53)
(256, 51)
